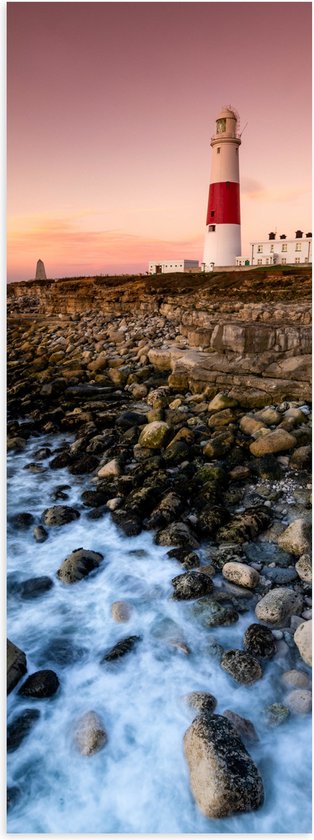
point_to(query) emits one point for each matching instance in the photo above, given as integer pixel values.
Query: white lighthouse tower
(223, 231)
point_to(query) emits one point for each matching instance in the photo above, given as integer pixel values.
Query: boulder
(154, 435)
(299, 701)
(277, 441)
(303, 640)
(16, 665)
(201, 701)
(121, 611)
(250, 425)
(259, 641)
(241, 666)
(278, 605)
(276, 714)
(222, 401)
(213, 614)
(244, 727)
(295, 538)
(90, 735)
(245, 526)
(39, 685)
(59, 515)
(120, 649)
(22, 521)
(223, 777)
(20, 727)
(241, 574)
(296, 679)
(188, 559)
(78, 565)
(303, 568)
(191, 585)
(111, 469)
(178, 533)
(34, 587)
(40, 533)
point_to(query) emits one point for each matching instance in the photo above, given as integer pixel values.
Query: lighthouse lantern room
(223, 231)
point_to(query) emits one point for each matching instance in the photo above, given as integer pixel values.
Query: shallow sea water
(139, 782)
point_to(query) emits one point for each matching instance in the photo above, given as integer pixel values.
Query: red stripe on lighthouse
(223, 204)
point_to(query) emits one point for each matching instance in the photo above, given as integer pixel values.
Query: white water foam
(139, 782)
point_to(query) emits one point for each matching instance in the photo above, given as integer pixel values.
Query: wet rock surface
(223, 777)
(16, 665)
(40, 685)
(78, 565)
(19, 728)
(243, 667)
(90, 735)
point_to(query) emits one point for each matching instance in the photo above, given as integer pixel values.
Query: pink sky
(111, 107)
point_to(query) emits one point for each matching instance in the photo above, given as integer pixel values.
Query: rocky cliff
(249, 330)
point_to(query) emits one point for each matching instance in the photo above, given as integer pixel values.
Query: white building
(169, 266)
(280, 251)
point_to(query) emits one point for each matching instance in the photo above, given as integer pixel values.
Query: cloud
(64, 247)
(253, 189)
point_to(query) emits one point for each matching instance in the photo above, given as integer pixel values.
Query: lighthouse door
(158, 269)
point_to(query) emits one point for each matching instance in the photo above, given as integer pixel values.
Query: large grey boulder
(78, 565)
(241, 574)
(303, 640)
(90, 735)
(278, 605)
(296, 538)
(223, 776)
(16, 665)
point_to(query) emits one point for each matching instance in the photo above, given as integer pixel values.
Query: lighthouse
(223, 231)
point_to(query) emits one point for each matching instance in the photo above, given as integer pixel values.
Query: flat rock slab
(223, 777)
(16, 665)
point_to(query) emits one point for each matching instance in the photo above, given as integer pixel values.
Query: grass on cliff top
(266, 283)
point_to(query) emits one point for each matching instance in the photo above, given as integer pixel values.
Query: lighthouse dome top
(227, 112)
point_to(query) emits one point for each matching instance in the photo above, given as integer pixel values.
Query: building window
(211, 228)
(284, 247)
(298, 246)
(271, 248)
(212, 213)
(218, 150)
(267, 261)
(259, 262)
(283, 260)
(297, 259)
(259, 249)
(306, 259)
